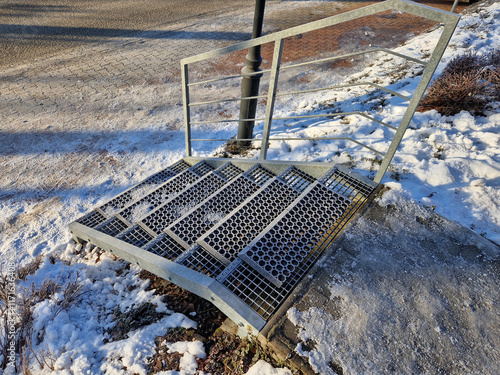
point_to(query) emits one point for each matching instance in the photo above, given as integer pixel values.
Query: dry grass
(26, 299)
(468, 83)
(227, 354)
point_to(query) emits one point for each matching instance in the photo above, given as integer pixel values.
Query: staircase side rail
(447, 20)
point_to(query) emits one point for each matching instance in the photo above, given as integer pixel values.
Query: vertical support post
(417, 96)
(271, 96)
(187, 111)
(250, 83)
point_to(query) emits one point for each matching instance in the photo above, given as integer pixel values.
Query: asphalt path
(34, 29)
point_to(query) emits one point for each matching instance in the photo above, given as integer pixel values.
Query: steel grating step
(295, 234)
(148, 227)
(173, 209)
(241, 234)
(149, 199)
(230, 236)
(102, 213)
(209, 213)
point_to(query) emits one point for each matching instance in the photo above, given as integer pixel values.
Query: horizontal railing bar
(408, 6)
(337, 114)
(227, 100)
(377, 121)
(355, 54)
(305, 91)
(346, 85)
(390, 91)
(292, 139)
(301, 117)
(217, 121)
(229, 77)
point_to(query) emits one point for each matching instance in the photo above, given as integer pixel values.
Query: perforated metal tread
(140, 189)
(148, 202)
(100, 214)
(173, 209)
(295, 234)
(190, 227)
(233, 234)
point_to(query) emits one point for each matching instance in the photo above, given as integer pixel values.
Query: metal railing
(447, 19)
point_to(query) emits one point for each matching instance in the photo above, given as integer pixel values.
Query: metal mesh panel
(92, 219)
(202, 168)
(136, 236)
(260, 293)
(228, 238)
(179, 166)
(228, 171)
(201, 261)
(259, 174)
(117, 203)
(140, 189)
(158, 197)
(345, 184)
(256, 216)
(296, 178)
(299, 233)
(181, 204)
(187, 230)
(254, 289)
(112, 226)
(165, 247)
(158, 178)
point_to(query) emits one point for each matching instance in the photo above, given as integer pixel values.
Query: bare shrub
(494, 58)
(452, 93)
(130, 320)
(29, 269)
(493, 61)
(468, 83)
(470, 62)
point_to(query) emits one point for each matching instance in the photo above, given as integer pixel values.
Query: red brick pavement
(387, 29)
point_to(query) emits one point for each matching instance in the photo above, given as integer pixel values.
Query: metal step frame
(448, 21)
(246, 294)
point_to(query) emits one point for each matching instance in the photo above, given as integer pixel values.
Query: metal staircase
(249, 231)
(242, 233)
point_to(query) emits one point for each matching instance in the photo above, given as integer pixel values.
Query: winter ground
(450, 164)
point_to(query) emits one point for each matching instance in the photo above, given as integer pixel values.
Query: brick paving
(65, 84)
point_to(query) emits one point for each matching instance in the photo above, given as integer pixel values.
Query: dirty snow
(450, 164)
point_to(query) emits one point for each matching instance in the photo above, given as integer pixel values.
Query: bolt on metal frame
(447, 19)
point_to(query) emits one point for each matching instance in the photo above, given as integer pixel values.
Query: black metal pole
(250, 84)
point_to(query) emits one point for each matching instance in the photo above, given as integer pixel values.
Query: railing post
(271, 96)
(187, 111)
(250, 84)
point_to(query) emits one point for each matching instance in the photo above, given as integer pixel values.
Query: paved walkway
(69, 83)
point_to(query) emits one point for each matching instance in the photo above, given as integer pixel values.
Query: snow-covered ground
(450, 164)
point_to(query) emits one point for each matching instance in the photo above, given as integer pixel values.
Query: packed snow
(449, 164)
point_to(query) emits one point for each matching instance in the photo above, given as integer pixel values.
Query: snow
(264, 368)
(450, 164)
(402, 307)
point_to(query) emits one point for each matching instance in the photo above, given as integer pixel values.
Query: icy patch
(409, 301)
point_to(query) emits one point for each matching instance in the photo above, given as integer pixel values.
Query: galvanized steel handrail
(447, 19)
